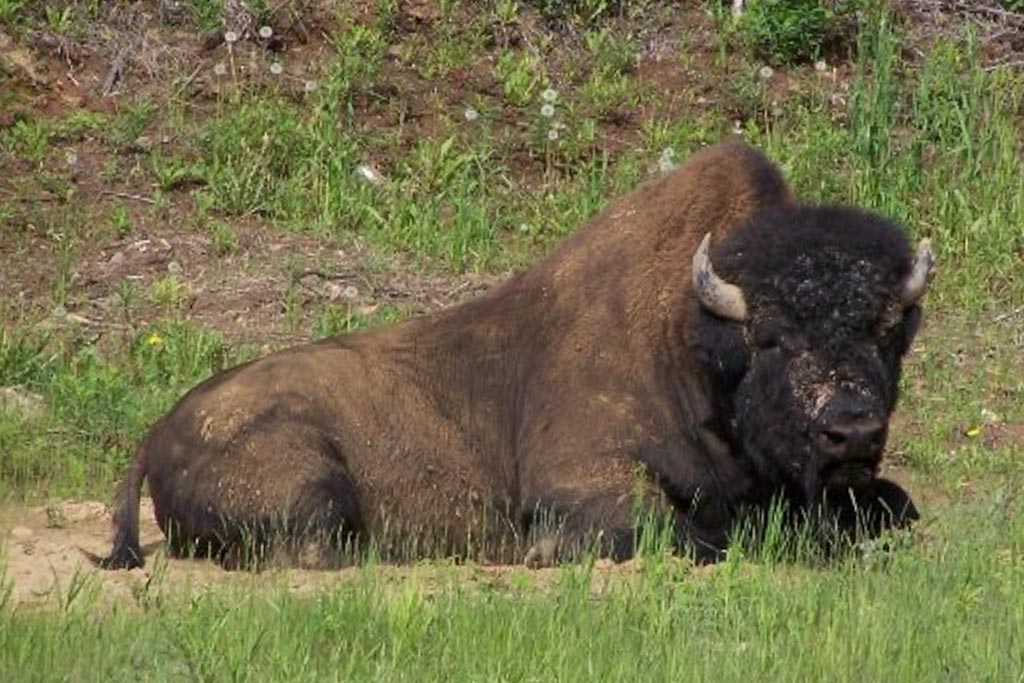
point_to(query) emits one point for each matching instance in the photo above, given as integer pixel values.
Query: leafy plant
(586, 12)
(10, 11)
(207, 13)
(130, 123)
(612, 52)
(788, 31)
(31, 139)
(521, 74)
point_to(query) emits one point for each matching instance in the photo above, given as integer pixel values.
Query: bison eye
(767, 339)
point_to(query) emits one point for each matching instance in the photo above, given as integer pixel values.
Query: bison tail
(126, 552)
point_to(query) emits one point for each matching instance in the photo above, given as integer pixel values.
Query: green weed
(252, 160)
(222, 237)
(29, 139)
(169, 293)
(790, 31)
(521, 75)
(97, 405)
(207, 14)
(11, 11)
(120, 220)
(130, 123)
(334, 320)
(172, 172)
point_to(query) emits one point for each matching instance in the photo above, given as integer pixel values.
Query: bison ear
(917, 282)
(722, 298)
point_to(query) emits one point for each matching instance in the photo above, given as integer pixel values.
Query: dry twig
(128, 195)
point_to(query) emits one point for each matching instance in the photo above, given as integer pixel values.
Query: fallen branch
(1005, 65)
(1008, 314)
(188, 81)
(115, 72)
(127, 195)
(971, 8)
(323, 275)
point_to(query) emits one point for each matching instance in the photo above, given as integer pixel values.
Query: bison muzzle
(704, 346)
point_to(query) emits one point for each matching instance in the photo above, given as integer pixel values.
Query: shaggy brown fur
(570, 391)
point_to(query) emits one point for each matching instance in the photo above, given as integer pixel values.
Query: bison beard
(702, 347)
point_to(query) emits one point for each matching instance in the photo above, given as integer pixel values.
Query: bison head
(802, 330)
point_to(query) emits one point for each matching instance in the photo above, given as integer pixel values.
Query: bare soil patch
(44, 555)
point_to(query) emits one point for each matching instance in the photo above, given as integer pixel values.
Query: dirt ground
(45, 565)
(44, 552)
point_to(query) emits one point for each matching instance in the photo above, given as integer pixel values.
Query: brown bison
(702, 347)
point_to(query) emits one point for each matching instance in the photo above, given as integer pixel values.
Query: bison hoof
(543, 553)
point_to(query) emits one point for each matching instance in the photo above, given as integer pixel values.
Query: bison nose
(859, 439)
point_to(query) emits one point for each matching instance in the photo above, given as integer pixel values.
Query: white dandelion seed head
(524, 228)
(547, 111)
(550, 95)
(553, 134)
(230, 37)
(309, 86)
(668, 153)
(821, 65)
(766, 72)
(266, 32)
(71, 157)
(471, 114)
(220, 68)
(370, 174)
(276, 68)
(665, 164)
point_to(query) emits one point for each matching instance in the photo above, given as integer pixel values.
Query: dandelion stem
(231, 61)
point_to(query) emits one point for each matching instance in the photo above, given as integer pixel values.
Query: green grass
(97, 404)
(948, 607)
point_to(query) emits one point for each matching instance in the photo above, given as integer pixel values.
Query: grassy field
(395, 157)
(944, 608)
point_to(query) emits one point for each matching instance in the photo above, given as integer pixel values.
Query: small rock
(18, 399)
(174, 268)
(117, 259)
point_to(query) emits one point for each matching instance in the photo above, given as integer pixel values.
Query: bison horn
(716, 295)
(917, 282)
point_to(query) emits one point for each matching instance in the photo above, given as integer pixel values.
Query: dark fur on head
(824, 338)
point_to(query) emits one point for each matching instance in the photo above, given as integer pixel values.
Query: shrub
(789, 31)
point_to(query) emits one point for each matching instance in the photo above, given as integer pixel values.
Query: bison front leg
(872, 508)
(564, 528)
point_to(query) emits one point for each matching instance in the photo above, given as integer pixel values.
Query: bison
(702, 347)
